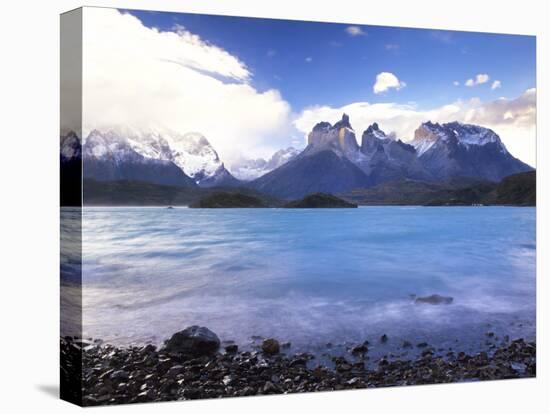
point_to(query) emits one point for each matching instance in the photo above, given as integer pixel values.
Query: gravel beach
(193, 364)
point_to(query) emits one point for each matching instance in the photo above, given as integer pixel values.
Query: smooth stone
(195, 340)
(271, 346)
(231, 349)
(359, 349)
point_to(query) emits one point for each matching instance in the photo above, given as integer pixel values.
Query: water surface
(312, 276)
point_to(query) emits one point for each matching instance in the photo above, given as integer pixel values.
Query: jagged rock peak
(374, 131)
(431, 124)
(322, 126)
(372, 128)
(343, 123)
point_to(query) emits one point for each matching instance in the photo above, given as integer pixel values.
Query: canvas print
(256, 206)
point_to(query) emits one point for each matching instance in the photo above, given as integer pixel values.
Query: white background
(29, 99)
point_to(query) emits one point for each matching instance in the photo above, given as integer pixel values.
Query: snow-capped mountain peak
(375, 131)
(466, 135)
(474, 134)
(281, 157)
(250, 169)
(426, 135)
(110, 145)
(190, 152)
(194, 155)
(70, 146)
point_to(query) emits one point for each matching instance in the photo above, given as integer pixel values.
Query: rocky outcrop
(389, 159)
(339, 138)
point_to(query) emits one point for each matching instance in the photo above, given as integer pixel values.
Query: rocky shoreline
(192, 365)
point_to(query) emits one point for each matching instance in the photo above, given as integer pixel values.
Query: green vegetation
(229, 200)
(137, 193)
(320, 200)
(518, 189)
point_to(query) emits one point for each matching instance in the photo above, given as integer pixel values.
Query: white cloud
(309, 59)
(145, 79)
(496, 84)
(513, 119)
(355, 31)
(386, 81)
(456, 83)
(480, 78)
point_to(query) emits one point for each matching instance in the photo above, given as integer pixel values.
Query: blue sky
(313, 63)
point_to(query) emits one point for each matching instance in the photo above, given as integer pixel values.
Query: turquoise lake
(310, 276)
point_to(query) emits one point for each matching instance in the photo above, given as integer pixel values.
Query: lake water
(311, 276)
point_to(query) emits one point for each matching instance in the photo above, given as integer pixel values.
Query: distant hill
(320, 200)
(229, 200)
(518, 189)
(137, 193)
(324, 171)
(414, 192)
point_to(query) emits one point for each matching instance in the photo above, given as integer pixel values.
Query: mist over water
(309, 276)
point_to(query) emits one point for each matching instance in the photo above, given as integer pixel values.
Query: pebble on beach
(189, 366)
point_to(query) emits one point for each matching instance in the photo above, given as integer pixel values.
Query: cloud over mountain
(513, 119)
(147, 79)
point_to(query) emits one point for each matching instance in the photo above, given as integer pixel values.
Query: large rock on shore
(194, 340)
(271, 346)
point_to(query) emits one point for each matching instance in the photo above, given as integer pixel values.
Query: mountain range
(170, 159)
(332, 162)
